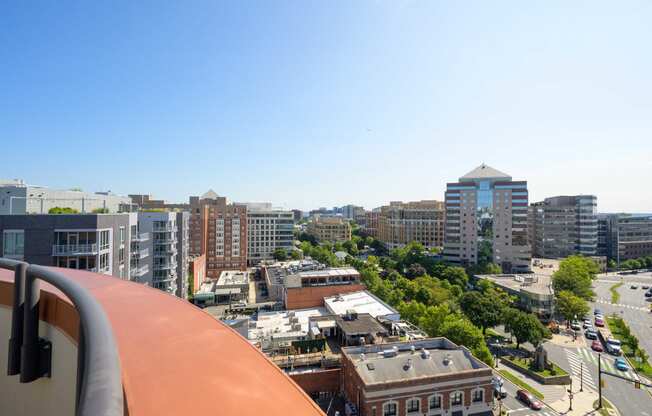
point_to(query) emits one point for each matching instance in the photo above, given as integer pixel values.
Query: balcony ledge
(176, 359)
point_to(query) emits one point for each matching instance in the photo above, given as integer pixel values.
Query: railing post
(36, 353)
(81, 361)
(16, 338)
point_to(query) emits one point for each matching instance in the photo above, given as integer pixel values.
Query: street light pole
(581, 376)
(570, 396)
(599, 381)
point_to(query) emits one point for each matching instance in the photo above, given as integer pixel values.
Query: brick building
(432, 376)
(218, 229)
(332, 229)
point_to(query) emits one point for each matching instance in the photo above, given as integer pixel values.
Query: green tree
(571, 306)
(575, 274)
(280, 254)
(525, 327)
(100, 211)
(483, 309)
(415, 270)
(456, 276)
(62, 210)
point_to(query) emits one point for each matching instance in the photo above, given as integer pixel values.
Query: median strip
(615, 296)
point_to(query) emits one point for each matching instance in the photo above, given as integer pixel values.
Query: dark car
(597, 312)
(648, 294)
(591, 334)
(529, 399)
(597, 346)
(633, 287)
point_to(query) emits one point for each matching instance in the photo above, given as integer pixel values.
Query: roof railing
(99, 378)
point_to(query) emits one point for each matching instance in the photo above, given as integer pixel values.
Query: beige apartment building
(400, 223)
(332, 229)
(219, 229)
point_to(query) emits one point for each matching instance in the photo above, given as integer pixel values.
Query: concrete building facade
(626, 236)
(564, 225)
(267, 230)
(18, 198)
(400, 223)
(486, 220)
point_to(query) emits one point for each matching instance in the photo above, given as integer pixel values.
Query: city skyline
(312, 105)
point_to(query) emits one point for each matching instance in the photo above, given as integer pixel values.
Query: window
(390, 409)
(457, 398)
(413, 405)
(122, 235)
(434, 402)
(478, 395)
(13, 244)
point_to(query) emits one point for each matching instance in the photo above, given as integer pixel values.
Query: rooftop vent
(362, 357)
(412, 349)
(408, 364)
(447, 359)
(425, 354)
(370, 366)
(390, 353)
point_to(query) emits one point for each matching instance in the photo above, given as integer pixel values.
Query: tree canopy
(575, 275)
(571, 306)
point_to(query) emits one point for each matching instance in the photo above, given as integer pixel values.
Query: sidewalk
(566, 341)
(551, 393)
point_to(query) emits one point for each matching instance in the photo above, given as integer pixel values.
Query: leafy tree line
(635, 264)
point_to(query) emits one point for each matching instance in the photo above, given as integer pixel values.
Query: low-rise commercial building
(360, 302)
(331, 229)
(401, 223)
(533, 291)
(563, 226)
(431, 376)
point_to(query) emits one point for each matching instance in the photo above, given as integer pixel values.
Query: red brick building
(426, 377)
(218, 229)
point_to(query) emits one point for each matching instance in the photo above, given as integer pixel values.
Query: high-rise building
(400, 223)
(219, 229)
(351, 211)
(371, 220)
(297, 214)
(331, 229)
(267, 230)
(18, 198)
(626, 236)
(564, 225)
(486, 220)
(162, 263)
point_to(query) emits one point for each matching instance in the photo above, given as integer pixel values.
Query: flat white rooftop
(360, 302)
(294, 322)
(233, 277)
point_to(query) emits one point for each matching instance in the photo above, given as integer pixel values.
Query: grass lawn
(525, 363)
(520, 383)
(617, 328)
(605, 405)
(615, 296)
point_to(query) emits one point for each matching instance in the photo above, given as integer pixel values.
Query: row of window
(413, 405)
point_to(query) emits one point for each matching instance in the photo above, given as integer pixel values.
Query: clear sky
(309, 104)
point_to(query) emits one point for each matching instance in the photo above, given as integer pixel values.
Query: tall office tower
(267, 230)
(486, 220)
(352, 211)
(564, 225)
(400, 223)
(218, 229)
(628, 236)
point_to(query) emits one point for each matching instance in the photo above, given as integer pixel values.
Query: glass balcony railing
(74, 249)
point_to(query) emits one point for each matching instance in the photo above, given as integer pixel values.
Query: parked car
(587, 323)
(597, 312)
(596, 346)
(591, 334)
(648, 294)
(576, 326)
(621, 364)
(499, 390)
(633, 287)
(599, 322)
(529, 399)
(614, 346)
(645, 287)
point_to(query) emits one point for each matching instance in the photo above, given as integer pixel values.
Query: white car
(576, 326)
(614, 346)
(587, 323)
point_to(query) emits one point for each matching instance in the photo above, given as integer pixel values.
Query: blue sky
(310, 104)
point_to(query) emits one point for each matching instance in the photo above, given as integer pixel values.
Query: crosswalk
(530, 412)
(621, 305)
(589, 356)
(578, 373)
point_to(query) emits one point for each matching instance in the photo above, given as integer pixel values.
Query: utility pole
(581, 376)
(570, 396)
(599, 381)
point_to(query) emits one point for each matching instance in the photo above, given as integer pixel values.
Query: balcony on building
(74, 249)
(139, 271)
(139, 237)
(142, 351)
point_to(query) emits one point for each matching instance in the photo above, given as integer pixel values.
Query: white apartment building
(18, 198)
(267, 229)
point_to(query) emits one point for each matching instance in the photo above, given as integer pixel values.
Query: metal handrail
(99, 377)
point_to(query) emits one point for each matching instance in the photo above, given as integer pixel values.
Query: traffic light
(637, 384)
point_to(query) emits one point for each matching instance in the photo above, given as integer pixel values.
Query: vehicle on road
(599, 322)
(587, 323)
(648, 294)
(645, 287)
(576, 326)
(529, 399)
(499, 390)
(591, 334)
(597, 346)
(614, 346)
(597, 312)
(633, 287)
(621, 364)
